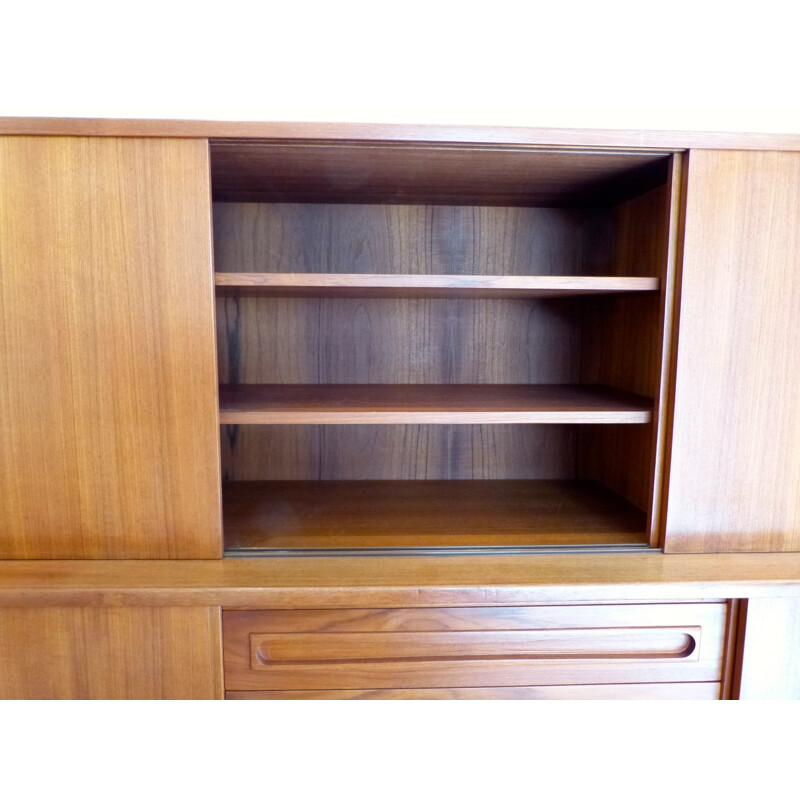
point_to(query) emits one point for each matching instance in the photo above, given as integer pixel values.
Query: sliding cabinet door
(108, 411)
(734, 479)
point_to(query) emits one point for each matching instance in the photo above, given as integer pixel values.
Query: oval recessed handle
(611, 644)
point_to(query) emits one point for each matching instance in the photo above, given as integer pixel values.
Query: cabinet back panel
(397, 239)
(397, 452)
(324, 340)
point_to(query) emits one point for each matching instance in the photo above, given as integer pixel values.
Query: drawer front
(609, 691)
(530, 646)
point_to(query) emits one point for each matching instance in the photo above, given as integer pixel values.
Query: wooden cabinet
(298, 340)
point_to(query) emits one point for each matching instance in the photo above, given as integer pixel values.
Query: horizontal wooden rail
(294, 284)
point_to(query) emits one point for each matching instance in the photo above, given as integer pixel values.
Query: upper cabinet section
(734, 481)
(441, 346)
(109, 445)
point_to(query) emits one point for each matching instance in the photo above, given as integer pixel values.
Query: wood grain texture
(358, 172)
(330, 340)
(110, 654)
(769, 667)
(397, 452)
(624, 345)
(734, 479)
(379, 132)
(556, 618)
(399, 581)
(462, 404)
(623, 691)
(108, 439)
(375, 514)
(730, 682)
(299, 284)
(668, 336)
(401, 239)
(270, 340)
(379, 648)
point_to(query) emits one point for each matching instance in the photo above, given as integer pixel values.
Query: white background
(683, 65)
(671, 66)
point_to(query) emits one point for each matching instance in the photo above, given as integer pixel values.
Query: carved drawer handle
(270, 649)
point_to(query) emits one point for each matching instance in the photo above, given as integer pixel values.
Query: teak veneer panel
(464, 404)
(110, 654)
(109, 445)
(300, 284)
(734, 479)
(374, 514)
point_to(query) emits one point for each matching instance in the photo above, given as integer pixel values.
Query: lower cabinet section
(679, 650)
(671, 650)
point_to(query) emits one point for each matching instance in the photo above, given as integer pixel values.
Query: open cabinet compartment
(436, 347)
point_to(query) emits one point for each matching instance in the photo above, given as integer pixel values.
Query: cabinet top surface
(369, 132)
(397, 581)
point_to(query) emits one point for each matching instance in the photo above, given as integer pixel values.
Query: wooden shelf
(400, 514)
(301, 284)
(371, 404)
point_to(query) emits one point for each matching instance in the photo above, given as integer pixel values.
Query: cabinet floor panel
(302, 515)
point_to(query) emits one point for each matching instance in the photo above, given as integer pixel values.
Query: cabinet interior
(439, 347)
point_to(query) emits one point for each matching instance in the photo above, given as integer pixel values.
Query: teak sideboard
(374, 411)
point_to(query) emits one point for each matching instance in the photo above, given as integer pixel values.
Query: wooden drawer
(530, 646)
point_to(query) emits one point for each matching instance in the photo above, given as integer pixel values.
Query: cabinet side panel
(734, 480)
(621, 346)
(110, 654)
(770, 658)
(109, 444)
